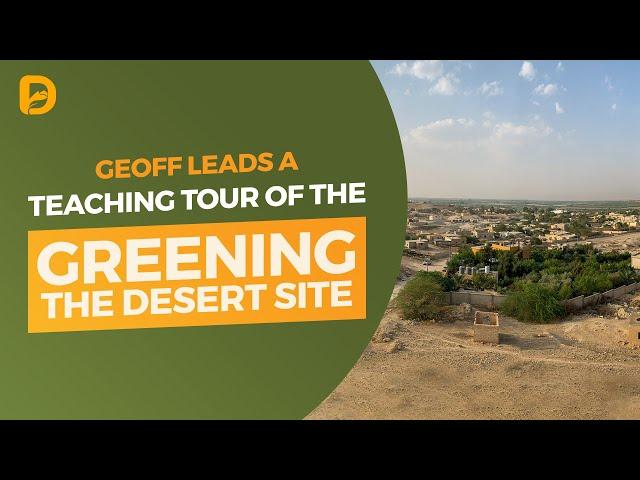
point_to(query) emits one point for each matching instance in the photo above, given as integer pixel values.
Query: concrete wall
(492, 301)
(591, 300)
(574, 304)
(578, 303)
(489, 301)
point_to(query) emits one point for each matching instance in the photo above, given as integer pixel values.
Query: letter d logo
(37, 100)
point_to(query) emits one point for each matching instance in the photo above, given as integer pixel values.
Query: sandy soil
(581, 368)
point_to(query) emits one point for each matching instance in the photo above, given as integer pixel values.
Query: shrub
(448, 283)
(421, 298)
(565, 292)
(532, 302)
(481, 281)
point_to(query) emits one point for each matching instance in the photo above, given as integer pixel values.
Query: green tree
(472, 240)
(484, 256)
(421, 299)
(464, 257)
(589, 283)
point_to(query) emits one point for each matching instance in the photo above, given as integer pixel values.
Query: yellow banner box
(197, 274)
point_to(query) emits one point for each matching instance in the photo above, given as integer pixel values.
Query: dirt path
(579, 368)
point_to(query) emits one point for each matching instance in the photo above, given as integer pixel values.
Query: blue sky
(548, 130)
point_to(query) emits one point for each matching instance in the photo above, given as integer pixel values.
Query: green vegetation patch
(533, 302)
(536, 280)
(422, 298)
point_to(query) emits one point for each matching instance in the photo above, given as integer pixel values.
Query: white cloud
(443, 83)
(560, 67)
(448, 134)
(446, 85)
(488, 117)
(491, 89)
(614, 107)
(546, 90)
(482, 156)
(527, 71)
(608, 82)
(445, 129)
(559, 109)
(519, 134)
(466, 135)
(422, 69)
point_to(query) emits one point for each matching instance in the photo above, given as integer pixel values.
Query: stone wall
(578, 303)
(574, 304)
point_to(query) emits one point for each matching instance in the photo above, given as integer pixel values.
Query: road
(437, 264)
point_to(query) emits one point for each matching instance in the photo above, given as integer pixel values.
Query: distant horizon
(517, 129)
